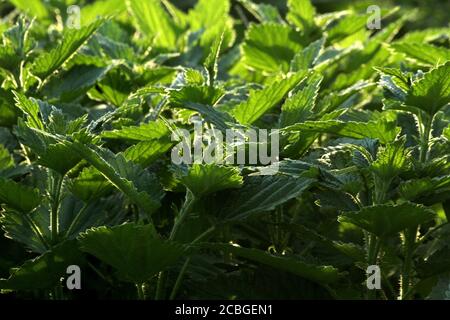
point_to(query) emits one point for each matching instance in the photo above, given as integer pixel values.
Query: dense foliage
(86, 175)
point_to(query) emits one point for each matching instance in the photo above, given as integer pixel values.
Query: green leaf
(153, 22)
(301, 14)
(262, 193)
(206, 95)
(316, 273)
(134, 250)
(270, 47)
(261, 101)
(18, 196)
(74, 83)
(45, 271)
(432, 92)
(211, 62)
(89, 184)
(145, 132)
(263, 12)
(347, 30)
(72, 40)
(308, 57)
(424, 53)
(146, 152)
(202, 179)
(47, 147)
(138, 185)
(100, 8)
(420, 188)
(391, 160)
(387, 220)
(33, 8)
(299, 107)
(446, 132)
(211, 19)
(384, 130)
(16, 46)
(6, 160)
(30, 108)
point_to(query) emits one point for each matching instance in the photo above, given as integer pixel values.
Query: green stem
(55, 189)
(175, 288)
(182, 215)
(372, 256)
(140, 291)
(184, 212)
(186, 263)
(425, 137)
(77, 218)
(409, 246)
(160, 286)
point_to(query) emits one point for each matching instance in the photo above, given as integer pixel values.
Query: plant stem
(184, 212)
(186, 263)
(425, 137)
(409, 245)
(372, 256)
(175, 288)
(55, 190)
(160, 286)
(140, 291)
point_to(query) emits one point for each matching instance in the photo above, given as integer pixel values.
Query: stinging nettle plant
(87, 117)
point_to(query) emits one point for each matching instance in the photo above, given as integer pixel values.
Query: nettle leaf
(391, 160)
(384, 130)
(30, 229)
(261, 101)
(33, 8)
(262, 193)
(138, 185)
(424, 53)
(45, 271)
(18, 196)
(219, 119)
(154, 22)
(301, 14)
(432, 92)
(146, 152)
(102, 8)
(347, 30)
(153, 130)
(72, 40)
(196, 94)
(134, 250)
(16, 45)
(47, 147)
(270, 47)
(202, 179)
(211, 62)
(316, 273)
(308, 57)
(446, 133)
(419, 188)
(387, 220)
(299, 107)
(262, 12)
(6, 160)
(89, 184)
(74, 83)
(211, 19)
(30, 108)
